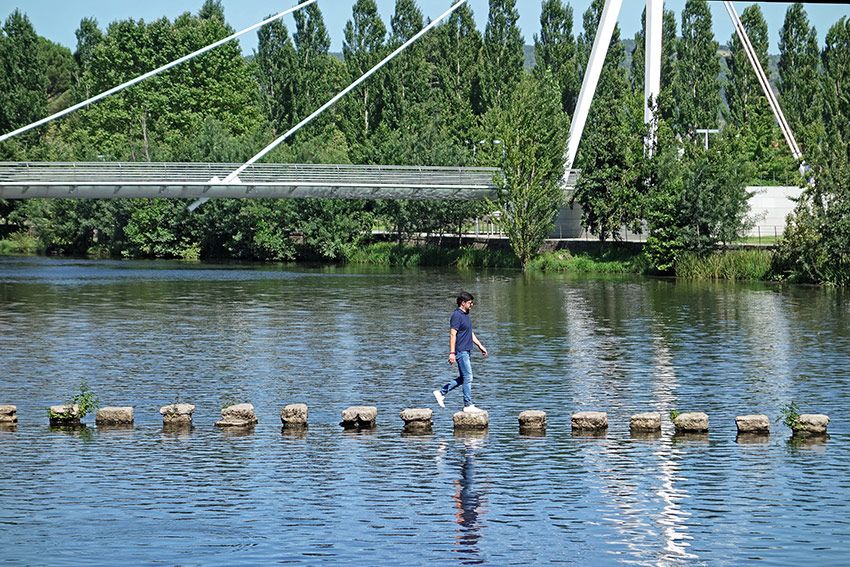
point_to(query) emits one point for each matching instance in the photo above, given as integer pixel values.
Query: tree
(151, 120)
(696, 88)
(362, 49)
(696, 198)
(503, 54)
(454, 56)
(749, 112)
(88, 37)
(815, 245)
(23, 81)
(555, 50)
(611, 150)
(406, 79)
(318, 75)
(533, 129)
(799, 78)
(276, 71)
(666, 103)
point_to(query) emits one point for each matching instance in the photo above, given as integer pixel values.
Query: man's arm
(480, 346)
(452, 341)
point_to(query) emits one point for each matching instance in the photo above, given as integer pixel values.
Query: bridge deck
(110, 180)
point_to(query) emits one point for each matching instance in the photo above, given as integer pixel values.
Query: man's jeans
(464, 368)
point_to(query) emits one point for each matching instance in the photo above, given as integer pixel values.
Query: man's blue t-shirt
(463, 325)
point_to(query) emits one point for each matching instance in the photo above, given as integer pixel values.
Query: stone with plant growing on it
(70, 413)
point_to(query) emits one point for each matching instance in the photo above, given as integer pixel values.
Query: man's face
(467, 305)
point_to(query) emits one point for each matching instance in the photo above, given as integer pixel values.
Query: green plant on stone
(674, 414)
(790, 415)
(85, 400)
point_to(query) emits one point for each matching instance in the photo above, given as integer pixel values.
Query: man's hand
(483, 350)
(451, 358)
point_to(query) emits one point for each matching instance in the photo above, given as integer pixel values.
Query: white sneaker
(440, 397)
(471, 409)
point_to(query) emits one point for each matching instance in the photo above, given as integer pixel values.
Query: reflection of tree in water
(469, 505)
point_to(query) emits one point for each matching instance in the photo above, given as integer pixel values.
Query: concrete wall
(768, 208)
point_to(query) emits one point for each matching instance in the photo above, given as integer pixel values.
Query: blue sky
(57, 20)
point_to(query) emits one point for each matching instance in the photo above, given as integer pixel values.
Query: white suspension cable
(233, 177)
(763, 81)
(150, 74)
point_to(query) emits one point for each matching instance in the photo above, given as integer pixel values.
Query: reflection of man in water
(469, 504)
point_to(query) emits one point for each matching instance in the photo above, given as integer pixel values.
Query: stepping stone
(177, 415)
(475, 420)
(645, 422)
(753, 424)
(8, 415)
(114, 416)
(238, 415)
(811, 425)
(294, 415)
(589, 420)
(691, 422)
(532, 420)
(417, 420)
(65, 414)
(359, 417)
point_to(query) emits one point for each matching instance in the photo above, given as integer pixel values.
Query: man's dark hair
(464, 296)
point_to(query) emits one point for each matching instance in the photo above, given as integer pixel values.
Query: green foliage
(609, 261)
(502, 54)
(695, 201)
(799, 77)
(742, 265)
(85, 400)
(790, 416)
(674, 414)
(696, 88)
(390, 254)
(759, 139)
(533, 131)
(555, 50)
(608, 190)
(20, 242)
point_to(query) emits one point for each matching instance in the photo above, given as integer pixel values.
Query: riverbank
(558, 256)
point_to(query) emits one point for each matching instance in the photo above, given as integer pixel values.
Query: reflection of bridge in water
(178, 180)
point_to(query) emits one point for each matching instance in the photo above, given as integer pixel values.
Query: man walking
(461, 339)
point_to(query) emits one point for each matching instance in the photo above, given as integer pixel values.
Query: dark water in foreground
(146, 334)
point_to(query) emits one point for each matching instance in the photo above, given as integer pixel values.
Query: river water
(150, 333)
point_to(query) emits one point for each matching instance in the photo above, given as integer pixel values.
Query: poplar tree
(555, 50)
(455, 58)
(318, 75)
(836, 80)
(276, 72)
(23, 74)
(749, 112)
(696, 88)
(362, 49)
(406, 83)
(799, 79)
(503, 54)
(611, 149)
(666, 104)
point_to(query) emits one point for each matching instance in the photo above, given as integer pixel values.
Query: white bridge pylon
(652, 74)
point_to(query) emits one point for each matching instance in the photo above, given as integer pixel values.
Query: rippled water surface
(148, 334)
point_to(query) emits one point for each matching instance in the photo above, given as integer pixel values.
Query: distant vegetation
(458, 97)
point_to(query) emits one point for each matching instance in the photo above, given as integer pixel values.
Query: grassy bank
(726, 265)
(611, 261)
(406, 255)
